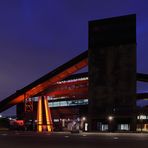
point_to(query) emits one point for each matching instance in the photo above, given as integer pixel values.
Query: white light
(86, 127)
(1, 116)
(73, 80)
(84, 118)
(142, 117)
(56, 120)
(110, 118)
(10, 118)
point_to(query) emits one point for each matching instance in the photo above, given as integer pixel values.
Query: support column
(28, 103)
(44, 121)
(28, 115)
(48, 115)
(39, 115)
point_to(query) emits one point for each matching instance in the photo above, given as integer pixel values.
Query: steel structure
(44, 83)
(44, 121)
(108, 38)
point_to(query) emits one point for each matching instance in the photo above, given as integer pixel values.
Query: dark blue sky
(38, 35)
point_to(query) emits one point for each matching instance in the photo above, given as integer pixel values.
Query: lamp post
(82, 123)
(110, 119)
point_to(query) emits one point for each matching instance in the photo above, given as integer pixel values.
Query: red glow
(17, 122)
(42, 86)
(76, 88)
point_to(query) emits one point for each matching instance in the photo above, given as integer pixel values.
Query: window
(68, 103)
(125, 127)
(104, 127)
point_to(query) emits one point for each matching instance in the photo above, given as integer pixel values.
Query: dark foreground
(68, 140)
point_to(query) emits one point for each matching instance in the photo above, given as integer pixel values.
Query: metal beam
(44, 82)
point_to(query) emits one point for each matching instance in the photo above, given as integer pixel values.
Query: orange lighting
(48, 123)
(43, 85)
(39, 115)
(48, 114)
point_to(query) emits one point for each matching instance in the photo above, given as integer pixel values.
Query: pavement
(16, 139)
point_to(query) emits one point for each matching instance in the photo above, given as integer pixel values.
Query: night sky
(36, 36)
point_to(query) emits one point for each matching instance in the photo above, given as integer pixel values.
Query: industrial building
(70, 105)
(102, 99)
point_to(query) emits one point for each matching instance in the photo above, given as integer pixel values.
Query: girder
(44, 82)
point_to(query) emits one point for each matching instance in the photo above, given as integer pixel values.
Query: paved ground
(68, 140)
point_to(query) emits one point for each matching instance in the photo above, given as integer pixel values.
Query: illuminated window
(68, 103)
(63, 103)
(104, 127)
(142, 117)
(56, 120)
(73, 80)
(125, 127)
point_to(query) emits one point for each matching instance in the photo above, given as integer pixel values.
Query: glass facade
(68, 103)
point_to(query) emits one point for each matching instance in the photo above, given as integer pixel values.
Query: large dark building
(112, 72)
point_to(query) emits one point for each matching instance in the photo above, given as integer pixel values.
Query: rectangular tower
(112, 73)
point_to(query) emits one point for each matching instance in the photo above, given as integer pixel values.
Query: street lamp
(110, 118)
(84, 118)
(82, 123)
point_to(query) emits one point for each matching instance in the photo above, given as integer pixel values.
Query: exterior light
(1, 116)
(110, 126)
(84, 118)
(142, 117)
(110, 118)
